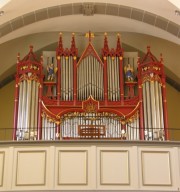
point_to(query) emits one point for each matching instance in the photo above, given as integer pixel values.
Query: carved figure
(51, 72)
(129, 72)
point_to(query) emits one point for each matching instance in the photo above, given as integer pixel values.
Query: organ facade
(67, 95)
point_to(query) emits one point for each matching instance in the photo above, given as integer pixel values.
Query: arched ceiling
(155, 18)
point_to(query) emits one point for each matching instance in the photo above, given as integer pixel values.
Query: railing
(150, 135)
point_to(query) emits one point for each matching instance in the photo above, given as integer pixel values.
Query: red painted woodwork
(55, 108)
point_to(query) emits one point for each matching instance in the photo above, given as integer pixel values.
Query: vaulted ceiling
(24, 20)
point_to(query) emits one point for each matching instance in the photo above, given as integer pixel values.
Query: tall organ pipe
(153, 107)
(145, 106)
(157, 105)
(20, 106)
(161, 107)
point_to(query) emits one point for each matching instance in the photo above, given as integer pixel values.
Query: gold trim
(86, 170)
(47, 109)
(101, 170)
(142, 166)
(33, 151)
(133, 110)
(97, 56)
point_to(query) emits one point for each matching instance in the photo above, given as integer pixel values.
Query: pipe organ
(90, 96)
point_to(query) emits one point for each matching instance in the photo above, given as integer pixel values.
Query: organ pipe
(90, 79)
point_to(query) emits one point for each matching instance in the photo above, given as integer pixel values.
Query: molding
(87, 142)
(2, 179)
(101, 170)
(86, 168)
(143, 164)
(33, 152)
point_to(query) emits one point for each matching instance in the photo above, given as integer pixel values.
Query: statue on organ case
(129, 72)
(51, 70)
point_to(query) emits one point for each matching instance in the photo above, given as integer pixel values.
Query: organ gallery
(107, 95)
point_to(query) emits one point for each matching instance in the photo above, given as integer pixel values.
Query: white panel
(1, 168)
(156, 168)
(31, 168)
(114, 168)
(72, 168)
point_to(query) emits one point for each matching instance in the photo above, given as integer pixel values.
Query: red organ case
(90, 96)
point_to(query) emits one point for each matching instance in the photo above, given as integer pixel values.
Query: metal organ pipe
(20, 106)
(145, 106)
(148, 97)
(32, 110)
(23, 106)
(118, 78)
(69, 127)
(29, 97)
(113, 78)
(48, 128)
(160, 106)
(153, 111)
(90, 79)
(67, 78)
(157, 105)
(27, 109)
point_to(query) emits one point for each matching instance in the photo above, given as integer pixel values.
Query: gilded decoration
(49, 118)
(151, 78)
(29, 78)
(90, 105)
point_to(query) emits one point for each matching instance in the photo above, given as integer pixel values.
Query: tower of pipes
(90, 96)
(29, 82)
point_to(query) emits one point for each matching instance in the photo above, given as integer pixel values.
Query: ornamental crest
(90, 105)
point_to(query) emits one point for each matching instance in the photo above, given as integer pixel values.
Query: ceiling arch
(130, 19)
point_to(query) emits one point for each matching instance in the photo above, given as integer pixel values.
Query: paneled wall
(80, 165)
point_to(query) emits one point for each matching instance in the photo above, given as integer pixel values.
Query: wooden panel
(114, 167)
(31, 168)
(72, 167)
(156, 168)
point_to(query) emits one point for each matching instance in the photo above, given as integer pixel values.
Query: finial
(106, 47)
(18, 57)
(90, 36)
(60, 41)
(73, 45)
(148, 48)
(161, 58)
(31, 48)
(118, 47)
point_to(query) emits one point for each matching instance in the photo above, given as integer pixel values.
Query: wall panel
(90, 165)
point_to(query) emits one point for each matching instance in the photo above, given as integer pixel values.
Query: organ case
(90, 96)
